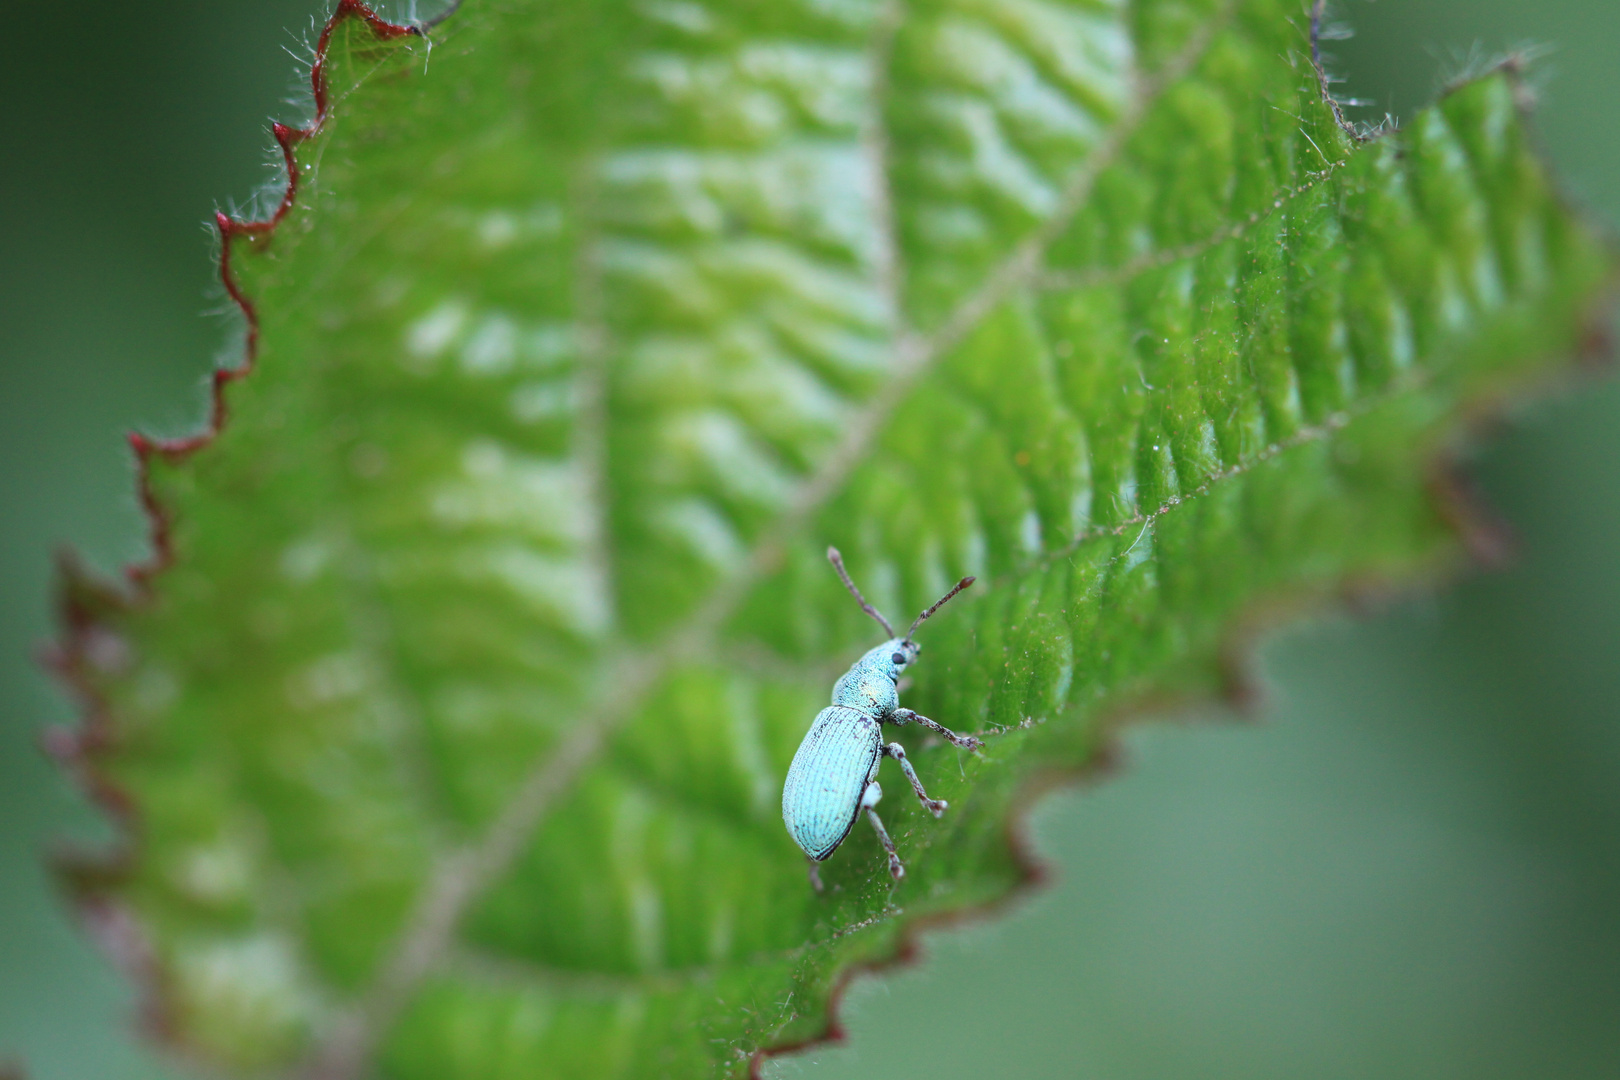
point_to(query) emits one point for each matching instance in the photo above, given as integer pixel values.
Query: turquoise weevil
(834, 775)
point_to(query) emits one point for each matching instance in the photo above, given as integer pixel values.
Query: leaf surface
(452, 718)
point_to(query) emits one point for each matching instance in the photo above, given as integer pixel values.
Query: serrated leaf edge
(83, 598)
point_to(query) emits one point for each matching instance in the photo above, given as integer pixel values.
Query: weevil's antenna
(838, 564)
(958, 587)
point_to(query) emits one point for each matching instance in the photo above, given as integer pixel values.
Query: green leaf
(451, 719)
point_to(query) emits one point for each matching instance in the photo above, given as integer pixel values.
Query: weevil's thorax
(871, 684)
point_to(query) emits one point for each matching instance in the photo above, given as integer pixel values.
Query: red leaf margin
(87, 647)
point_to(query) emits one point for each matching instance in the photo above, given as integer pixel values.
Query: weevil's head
(898, 654)
(871, 685)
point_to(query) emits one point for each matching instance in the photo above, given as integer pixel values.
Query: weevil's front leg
(869, 799)
(965, 742)
(935, 806)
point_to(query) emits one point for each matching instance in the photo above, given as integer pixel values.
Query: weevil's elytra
(834, 774)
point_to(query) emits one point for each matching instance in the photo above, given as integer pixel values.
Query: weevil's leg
(897, 869)
(869, 799)
(815, 875)
(965, 742)
(898, 752)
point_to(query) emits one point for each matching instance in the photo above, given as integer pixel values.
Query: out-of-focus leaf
(451, 721)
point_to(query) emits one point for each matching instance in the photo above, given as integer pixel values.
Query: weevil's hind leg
(869, 799)
(815, 875)
(936, 807)
(964, 742)
(897, 869)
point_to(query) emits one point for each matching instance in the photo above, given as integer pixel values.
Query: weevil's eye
(898, 658)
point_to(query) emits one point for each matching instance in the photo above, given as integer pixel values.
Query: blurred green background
(1404, 863)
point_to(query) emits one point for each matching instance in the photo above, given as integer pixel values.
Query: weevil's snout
(905, 652)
